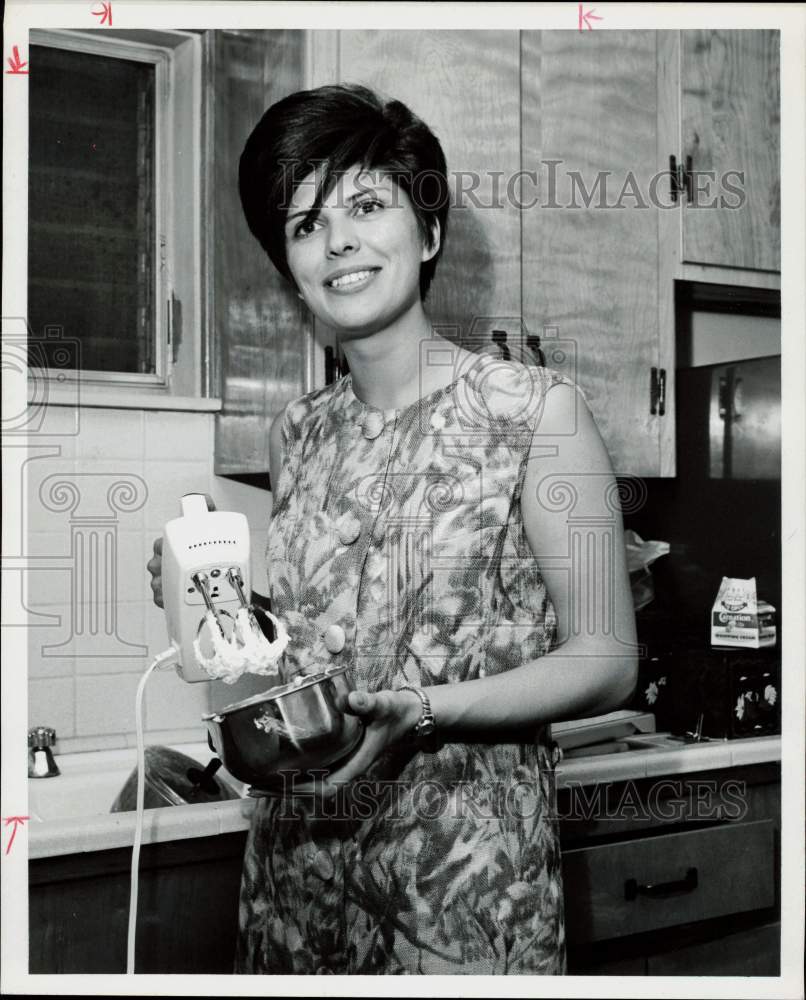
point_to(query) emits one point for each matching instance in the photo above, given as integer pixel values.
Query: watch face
(425, 728)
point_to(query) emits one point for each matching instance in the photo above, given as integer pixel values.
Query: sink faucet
(40, 757)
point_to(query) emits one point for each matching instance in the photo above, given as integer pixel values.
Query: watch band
(425, 729)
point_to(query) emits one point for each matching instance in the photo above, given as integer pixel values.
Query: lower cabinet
(78, 908)
(674, 877)
(666, 876)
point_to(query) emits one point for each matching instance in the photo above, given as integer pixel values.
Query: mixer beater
(245, 647)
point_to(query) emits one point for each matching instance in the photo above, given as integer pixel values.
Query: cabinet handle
(657, 391)
(688, 179)
(500, 340)
(674, 179)
(533, 343)
(174, 326)
(682, 179)
(677, 178)
(660, 890)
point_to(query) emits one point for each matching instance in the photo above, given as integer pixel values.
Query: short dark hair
(334, 128)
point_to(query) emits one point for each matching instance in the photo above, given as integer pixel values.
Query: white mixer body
(200, 542)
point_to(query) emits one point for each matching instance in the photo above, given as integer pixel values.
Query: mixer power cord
(166, 658)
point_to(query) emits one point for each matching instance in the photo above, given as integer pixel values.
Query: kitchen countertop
(52, 838)
(656, 761)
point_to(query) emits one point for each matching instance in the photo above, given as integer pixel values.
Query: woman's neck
(390, 367)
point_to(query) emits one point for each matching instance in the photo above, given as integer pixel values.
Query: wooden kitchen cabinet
(600, 267)
(262, 330)
(682, 878)
(590, 250)
(730, 122)
(187, 908)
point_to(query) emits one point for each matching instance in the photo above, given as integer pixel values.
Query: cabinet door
(730, 111)
(465, 86)
(262, 329)
(590, 246)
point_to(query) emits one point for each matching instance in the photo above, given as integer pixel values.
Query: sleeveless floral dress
(403, 529)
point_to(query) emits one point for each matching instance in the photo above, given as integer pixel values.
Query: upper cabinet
(581, 166)
(262, 329)
(730, 133)
(590, 247)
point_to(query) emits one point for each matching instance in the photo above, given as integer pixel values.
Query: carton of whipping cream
(739, 619)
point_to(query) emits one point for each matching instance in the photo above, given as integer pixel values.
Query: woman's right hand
(154, 567)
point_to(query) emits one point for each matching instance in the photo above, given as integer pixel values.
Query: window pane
(91, 267)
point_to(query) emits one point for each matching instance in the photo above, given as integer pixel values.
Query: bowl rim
(275, 693)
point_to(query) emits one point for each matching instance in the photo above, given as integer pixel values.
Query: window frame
(181, 336)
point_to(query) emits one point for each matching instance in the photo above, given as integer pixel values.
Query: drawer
(633, 886)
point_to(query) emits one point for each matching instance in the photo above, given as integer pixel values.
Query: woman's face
(357, 263)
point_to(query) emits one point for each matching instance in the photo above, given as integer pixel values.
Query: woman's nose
(342, 238)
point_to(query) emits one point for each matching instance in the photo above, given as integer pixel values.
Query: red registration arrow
(16, 63)
(587, 18)
(17, 821)
(105, 13)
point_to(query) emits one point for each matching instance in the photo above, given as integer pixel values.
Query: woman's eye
(304, 228)
(368, 205)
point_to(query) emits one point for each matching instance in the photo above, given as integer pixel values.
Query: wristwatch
(425, 731)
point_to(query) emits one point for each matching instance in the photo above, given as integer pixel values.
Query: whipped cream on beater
(246, 651)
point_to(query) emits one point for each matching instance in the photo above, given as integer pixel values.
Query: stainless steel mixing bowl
(280, 735)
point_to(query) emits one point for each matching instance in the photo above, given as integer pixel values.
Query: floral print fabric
(403, 528)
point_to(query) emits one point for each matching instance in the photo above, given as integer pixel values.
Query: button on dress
(397, 547)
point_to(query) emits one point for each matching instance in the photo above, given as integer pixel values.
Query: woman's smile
(347, 281)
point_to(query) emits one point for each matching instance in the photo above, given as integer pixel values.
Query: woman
(420, 521)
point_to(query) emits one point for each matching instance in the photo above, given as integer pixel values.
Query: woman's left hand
(388, 717)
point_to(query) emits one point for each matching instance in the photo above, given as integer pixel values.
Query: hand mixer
(213, 630)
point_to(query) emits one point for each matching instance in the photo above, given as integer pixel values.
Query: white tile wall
(167, 480)
(105, 703)
(42, 637)
(172, 703)
(59, 425)
(51, 702)
(110, 434)
(88, 698)
(174, 435)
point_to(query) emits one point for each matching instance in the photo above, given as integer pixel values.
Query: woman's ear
(431, 251)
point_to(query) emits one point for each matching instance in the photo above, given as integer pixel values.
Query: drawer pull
(660, 890)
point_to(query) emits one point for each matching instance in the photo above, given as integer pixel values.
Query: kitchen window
(116, 262)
